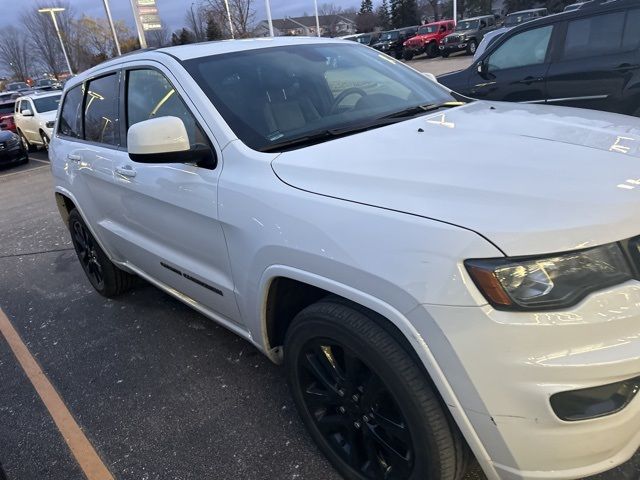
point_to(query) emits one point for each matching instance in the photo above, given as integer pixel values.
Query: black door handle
(530, 80)
(626, 67)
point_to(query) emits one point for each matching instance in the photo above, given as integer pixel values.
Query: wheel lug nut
(365, 419)
(356, 424)
(342, 409)
(341, 393)
(355, 398)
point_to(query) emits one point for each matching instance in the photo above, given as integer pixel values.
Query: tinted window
(101, 110)
(70, 123)
(150, 95)
(598, 35)
(279, 94)
(631, 39)
(526, 48)
(46, 104)
(24, 105)
(6, 108)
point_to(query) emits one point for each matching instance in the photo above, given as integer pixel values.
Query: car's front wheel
(407, 55)
(432, 50)
(105, 277)
(23, 140)
(45, 140)
(367, 404)
(471, 47)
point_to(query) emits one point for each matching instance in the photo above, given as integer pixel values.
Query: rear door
(516, 70)
(597, 59)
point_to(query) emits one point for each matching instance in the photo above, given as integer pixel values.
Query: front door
(166, 216)
(598, 59)
(516, 70)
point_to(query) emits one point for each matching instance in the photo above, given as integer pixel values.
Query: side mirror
(27, 113)
(430, 76)
(483, 69)
(165, 140)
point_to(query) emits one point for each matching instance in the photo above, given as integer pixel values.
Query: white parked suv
(35, 115)
(435, 275)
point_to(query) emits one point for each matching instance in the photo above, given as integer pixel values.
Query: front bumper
(9, 156)
(504, 367)
(453, 47)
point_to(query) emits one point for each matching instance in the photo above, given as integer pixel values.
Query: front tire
(432, 50)
(471, 47)
(25, 143)
(45, 141)
(105, 277)
(445, 54)
(407, 55)
(369, 407)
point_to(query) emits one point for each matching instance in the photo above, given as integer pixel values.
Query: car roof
(531, 10)
(477, 18)
(436, 23)
(40, 94)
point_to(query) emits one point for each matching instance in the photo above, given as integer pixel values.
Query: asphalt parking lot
(159, 391)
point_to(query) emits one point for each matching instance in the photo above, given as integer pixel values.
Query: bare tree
(160, 37)
(197, 21)
(13, 53)
(329, 9)
(242, 15)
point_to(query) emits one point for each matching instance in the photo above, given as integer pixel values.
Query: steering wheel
(344, 94)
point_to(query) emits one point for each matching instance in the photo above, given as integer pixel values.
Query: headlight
(552, 282)
(50, 124)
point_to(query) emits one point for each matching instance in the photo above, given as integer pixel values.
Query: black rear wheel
(105, 277)
(368, 406)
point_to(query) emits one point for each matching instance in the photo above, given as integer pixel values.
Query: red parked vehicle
(6, 116)
(427, 39)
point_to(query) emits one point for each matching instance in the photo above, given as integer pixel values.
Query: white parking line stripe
(38, 160)
(81, 448)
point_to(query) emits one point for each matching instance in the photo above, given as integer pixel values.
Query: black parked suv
(391, 42)
(467, 35)
(588, 58)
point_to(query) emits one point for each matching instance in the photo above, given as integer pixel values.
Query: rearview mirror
(27, 113)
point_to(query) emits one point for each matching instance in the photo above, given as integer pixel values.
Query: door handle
(530, 80)
(74, 158)
(126, 171)
(626, 67)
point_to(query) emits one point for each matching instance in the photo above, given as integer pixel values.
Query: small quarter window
(70, 123)
(101, 111)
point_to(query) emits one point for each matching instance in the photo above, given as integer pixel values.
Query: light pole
(52, 11)
(226, 3)
(268, 7)
(315, 5)
(455, 12)
(113, 28)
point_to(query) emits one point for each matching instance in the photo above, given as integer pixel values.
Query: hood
(532, 179)
(6, 135)
(48, 116)
(459, 33)
(422, 38)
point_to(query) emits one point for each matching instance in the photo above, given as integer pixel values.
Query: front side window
(524, 49)
(150, 95)
(24, 106)
(597, 35)
(101, 111)
(46, 104)
(468, 25)
(279, 94)
(70, 123)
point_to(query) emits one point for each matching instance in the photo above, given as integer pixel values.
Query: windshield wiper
(421, 109)
(333, 133)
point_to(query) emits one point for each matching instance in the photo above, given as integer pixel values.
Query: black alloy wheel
(355, 411)
(104, 276)
(366, 403)
(87, 253)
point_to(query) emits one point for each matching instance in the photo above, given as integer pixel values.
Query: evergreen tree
(404, 13)
(384, 18)
(214, 32)
(366, 6)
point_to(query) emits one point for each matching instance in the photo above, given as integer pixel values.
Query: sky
(171, 11)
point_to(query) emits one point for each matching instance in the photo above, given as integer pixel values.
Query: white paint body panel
(386, 218)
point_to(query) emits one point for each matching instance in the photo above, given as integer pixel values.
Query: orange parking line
(81, 448)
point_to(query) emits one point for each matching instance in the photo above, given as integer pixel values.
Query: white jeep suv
(436, 274)
(35, 115)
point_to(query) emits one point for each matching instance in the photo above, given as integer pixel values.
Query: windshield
(390, 35)
(515, 19)
(17, 86)
(46, 104)
(468, 25)
(44, 83)
(366, 39)
(271, 95)
(426, 29)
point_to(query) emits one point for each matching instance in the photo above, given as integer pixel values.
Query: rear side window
(70, 123)
(101, 111)
(631, 39)
(597, 35)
